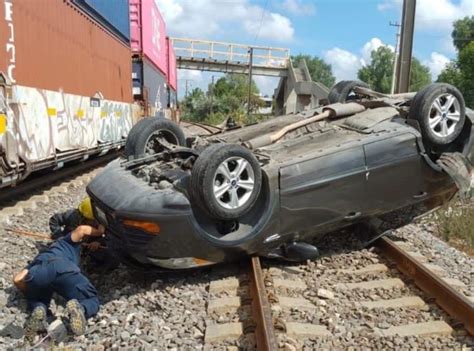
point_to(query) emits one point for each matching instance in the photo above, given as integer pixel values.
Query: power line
(261, 21)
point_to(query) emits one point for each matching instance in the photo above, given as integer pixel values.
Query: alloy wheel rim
(233, 183)
(445, 113)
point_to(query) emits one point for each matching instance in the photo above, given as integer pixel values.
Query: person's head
(85, 209)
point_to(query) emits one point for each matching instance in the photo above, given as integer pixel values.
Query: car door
(323, 191)
(394, 173)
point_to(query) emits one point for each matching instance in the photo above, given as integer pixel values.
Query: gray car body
(317, 179)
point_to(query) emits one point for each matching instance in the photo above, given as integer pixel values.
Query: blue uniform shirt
(64, 249)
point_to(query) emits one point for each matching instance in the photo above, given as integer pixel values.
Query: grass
(455, 224)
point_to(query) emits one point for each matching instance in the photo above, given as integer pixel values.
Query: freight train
(75, 75)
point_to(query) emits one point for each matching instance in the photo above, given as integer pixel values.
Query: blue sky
(342, 32)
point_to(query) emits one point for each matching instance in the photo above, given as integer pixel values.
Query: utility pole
(211, 94)
(186, 81)
(250, 80)
(397, 43)
(406, 46)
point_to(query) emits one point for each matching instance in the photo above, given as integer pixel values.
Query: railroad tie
(417, 329)
(373, 284)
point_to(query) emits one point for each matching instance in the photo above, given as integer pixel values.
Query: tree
(229, 98)
(460, 72)
(378, 74)
(463, 32)
(319, 70)
(420, 75)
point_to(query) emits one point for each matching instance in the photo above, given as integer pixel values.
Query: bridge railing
(192, 49)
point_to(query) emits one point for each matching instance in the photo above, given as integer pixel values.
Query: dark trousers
(64, 278)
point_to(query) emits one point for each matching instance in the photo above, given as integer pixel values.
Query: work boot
(37, 322)
(77, 319)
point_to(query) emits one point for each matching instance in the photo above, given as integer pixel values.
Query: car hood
(120, 191)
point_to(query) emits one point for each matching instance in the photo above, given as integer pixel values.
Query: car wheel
(344, 91)
(149, 135)
(440, 110)
(131, 137)
(225, 181)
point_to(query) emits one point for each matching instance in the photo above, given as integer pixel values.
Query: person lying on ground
(62, 223)
(56, 270)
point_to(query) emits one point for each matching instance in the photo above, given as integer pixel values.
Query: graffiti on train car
(42, 124)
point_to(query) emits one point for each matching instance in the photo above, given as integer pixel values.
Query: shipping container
(173, 99)
(112, 14)
(172, 71)
(65, 87)
(150, 87)
(59, 47)
(148, 33)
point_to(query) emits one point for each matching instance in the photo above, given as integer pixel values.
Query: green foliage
(378, 74)
(319, 70)
(463, 32)
(420, 75)
(460, 72)
(451, 74)
(455, 222)
(228, 97)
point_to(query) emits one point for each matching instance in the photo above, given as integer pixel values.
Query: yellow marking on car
(80, 113)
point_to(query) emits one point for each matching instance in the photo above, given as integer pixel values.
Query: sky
(342, 32)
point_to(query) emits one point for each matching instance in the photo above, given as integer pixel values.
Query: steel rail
(451, 301)
(261, 311)
(38, 181)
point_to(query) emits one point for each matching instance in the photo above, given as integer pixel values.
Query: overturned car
(271, 188)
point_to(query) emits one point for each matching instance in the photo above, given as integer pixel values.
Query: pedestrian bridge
(214, 56)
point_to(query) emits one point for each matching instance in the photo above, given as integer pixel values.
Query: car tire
(141, 142)
(341, 92)
(222, 189)
(136, 129)
(440, 110)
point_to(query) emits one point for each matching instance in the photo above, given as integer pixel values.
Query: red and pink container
(148, 33)
(172, 72)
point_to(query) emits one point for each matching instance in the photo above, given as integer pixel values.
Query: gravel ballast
(168, 311)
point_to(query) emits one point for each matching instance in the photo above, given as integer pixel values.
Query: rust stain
(58, 47)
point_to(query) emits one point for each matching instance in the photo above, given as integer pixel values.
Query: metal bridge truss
(216, 56)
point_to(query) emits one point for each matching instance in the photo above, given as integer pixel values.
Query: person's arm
(83, 231)
(60, 220)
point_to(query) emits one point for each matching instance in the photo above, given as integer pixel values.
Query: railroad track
(36, 190)
(278, 308)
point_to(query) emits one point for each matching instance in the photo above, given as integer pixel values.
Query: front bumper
(117, 195)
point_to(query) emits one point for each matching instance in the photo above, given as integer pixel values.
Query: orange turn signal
(150, 227)
(201, 262)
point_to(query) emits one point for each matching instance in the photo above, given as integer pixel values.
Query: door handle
(420, 195)
(352, 215)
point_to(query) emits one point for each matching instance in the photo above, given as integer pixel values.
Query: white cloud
(436, 63)
(345, 64)
(299, 7)
(273, 27)
(371, 45)
(434, 15)
(202, 19)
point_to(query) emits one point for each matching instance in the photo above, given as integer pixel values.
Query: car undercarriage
(271, 188)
